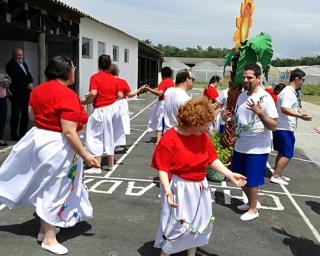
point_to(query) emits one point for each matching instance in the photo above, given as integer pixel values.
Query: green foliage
(311, 90)
(224, 154)
(189, 52)
(262, 46)
(304, 61)
(256, 49)
(228, 58)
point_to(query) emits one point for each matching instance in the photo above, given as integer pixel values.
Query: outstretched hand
(238, 179)
(305, 117)
(226, 115)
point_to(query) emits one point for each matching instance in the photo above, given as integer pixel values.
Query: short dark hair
(278, 88)
(254, 67)
(182, 76)
(104, 62)
(166, 72)
(296, 73)
(214, 79)
(59, 67)
(114, 70)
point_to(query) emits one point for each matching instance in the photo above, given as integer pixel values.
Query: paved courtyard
(127, 206)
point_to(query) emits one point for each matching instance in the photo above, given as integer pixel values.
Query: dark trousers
(19, 117)
(3, 115)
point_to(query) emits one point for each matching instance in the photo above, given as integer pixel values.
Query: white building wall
(101, 33)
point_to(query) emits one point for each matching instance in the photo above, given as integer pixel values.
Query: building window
(101, 48)
(86, 48)
(115, 53)
(126, 55)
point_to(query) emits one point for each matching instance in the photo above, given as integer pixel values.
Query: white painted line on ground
(2, 207)
(143, 110)
(133, 145)
(300, 159)
(132, 129)
(224, 186)
(298, 208)
(126, 154)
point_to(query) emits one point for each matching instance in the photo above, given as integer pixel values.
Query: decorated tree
(257, 49)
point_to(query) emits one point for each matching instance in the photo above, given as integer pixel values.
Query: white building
(45, 29)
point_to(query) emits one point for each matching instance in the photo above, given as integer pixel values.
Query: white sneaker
(56, 248)
(245, 207)
(40, 236)
(93, 171)
(107, 168)
(118, 149)
(249, 216)
(278, 181)
(285, 178)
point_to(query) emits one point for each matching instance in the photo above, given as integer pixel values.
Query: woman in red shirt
(101, 133)
(156, 119)
(182, 156)
(43, 168)
(124, 118)
(211, 91)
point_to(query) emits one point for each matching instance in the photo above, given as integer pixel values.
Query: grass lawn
(315, 99)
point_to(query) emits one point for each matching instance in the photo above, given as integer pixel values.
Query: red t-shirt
(211, 93)
(185, 156)
(124, 87)
(107, 87)
(164, 85)
(273, 95)
(53, 101)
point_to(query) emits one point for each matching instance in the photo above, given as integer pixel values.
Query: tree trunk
(229, 133)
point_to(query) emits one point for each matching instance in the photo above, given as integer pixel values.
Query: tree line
(216, 52)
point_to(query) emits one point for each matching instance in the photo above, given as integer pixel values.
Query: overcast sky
(294, 25)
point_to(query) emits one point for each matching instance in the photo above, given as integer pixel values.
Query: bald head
(17, 54)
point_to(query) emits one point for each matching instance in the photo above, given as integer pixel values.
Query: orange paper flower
(244, 22)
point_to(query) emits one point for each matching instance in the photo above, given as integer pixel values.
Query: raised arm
(268, 122)
(304, 116)
(154, 91)
(90, 97)
(135, 92)
(236, 178)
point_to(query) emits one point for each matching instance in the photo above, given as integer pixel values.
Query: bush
(311, 90)
(224, 155)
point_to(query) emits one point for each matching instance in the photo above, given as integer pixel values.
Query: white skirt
(124, 114)
(190, 224)
(156, 117)
(104, 130)
(42, 170)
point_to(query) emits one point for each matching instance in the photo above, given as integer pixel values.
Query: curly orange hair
(195, 113)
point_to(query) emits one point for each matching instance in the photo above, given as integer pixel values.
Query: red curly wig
(195, 113)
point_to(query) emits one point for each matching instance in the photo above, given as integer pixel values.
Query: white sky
(294, 25)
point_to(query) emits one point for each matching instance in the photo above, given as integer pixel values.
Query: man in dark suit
(21, 86)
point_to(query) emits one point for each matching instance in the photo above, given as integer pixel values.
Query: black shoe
(3, 144)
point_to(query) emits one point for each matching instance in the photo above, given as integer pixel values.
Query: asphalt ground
(126, 207)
